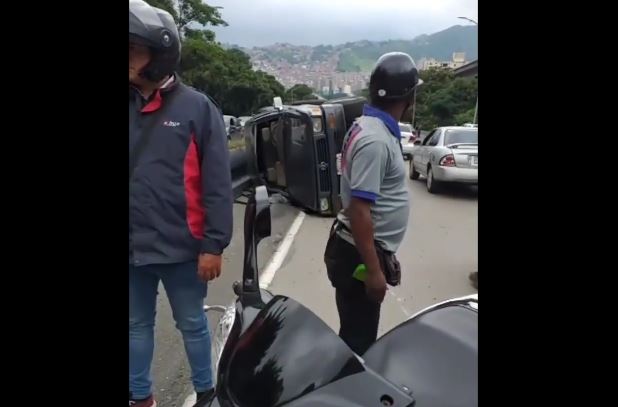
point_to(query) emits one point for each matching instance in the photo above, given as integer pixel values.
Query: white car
(407, 139)
(232, 125)
(447, 155)
(243, 119)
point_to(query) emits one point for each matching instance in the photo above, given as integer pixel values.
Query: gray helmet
(156, 29)
(394, 77)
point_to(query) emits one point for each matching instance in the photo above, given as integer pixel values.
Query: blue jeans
(186, 293)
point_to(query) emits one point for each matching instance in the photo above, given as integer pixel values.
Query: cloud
(316, 22)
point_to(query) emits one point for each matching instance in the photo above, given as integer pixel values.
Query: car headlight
(317, 124)
(324, 204)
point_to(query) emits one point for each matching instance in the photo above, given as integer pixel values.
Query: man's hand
(375, 285)
(209, 266)
(359, 212)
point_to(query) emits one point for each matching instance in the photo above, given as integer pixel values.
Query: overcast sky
(313, 22)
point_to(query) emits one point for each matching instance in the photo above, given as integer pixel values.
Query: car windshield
(405, 127)
(470, 136)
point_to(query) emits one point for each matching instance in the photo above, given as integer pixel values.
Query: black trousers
(358, 315)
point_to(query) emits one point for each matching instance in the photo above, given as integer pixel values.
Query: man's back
(360, 253)
(373, 166)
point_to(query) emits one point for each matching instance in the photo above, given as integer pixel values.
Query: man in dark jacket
(180, 199)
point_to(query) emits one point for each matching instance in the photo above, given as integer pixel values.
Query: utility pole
(477, 95)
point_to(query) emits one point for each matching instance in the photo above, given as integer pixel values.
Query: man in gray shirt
(374, 195)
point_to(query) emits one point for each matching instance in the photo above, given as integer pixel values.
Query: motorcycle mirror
(262, 217)
(257, 227)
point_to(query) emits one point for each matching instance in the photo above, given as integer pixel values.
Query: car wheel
(432, 185)
(413, 173)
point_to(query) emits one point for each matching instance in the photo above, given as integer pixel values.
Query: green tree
(225, 75)
(191, 12)
(198, 12)
(270, 88)
(298, 92)
(465, 117)
(444, 99)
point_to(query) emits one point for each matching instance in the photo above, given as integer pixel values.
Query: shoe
(149, 402)
(474, 277)
(204, 398)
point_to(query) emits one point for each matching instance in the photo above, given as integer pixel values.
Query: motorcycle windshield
(286, 352)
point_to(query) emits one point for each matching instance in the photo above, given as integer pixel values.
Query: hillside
(360, 56)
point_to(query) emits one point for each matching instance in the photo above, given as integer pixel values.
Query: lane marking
(276, 260)
(399, 302)
(190, 401)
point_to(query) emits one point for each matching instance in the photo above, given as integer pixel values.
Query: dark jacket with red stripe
(180, 195)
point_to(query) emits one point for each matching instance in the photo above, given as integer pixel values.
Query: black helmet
(394, 77)
(156, 29)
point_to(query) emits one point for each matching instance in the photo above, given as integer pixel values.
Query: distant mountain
(359, 56)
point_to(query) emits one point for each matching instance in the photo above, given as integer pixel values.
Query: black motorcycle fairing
(243, 318)
(434, 354)
(285, 353)
(248, 313)
(359, 390)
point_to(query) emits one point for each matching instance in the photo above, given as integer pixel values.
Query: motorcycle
(270, 350)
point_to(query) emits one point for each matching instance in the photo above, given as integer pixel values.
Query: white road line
(190, 401)
(399, 301)
(276, 260)
(266, 277)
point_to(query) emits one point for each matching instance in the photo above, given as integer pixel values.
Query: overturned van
(292, 149)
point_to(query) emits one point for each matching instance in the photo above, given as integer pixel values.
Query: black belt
(339, 225)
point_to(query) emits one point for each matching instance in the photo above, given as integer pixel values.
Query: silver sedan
(447, 155)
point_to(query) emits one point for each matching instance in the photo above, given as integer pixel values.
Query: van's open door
(300, 160)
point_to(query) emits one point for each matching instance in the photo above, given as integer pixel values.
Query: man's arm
(359, 213)
(367, 168)
(216, 191)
